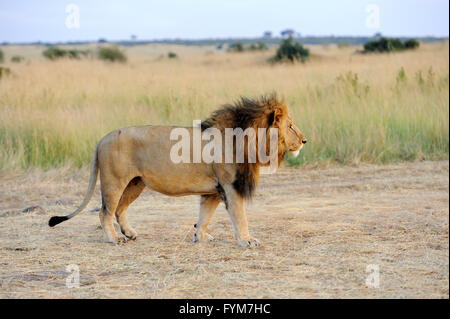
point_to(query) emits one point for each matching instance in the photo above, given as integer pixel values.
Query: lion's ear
(275, 117)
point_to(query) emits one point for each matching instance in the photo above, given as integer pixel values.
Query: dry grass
(53, 113)
(320, 229)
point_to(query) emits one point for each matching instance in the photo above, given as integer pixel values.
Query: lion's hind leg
(208, 205)
(106, 215)
(112, 190)
(131, 192)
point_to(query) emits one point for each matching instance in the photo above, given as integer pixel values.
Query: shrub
(172, 55)
(112, 54)
(389, 45)
(4, 71)
(2, 56)
(54, 53)
(260, 46)
(77, 54)
(290, 51)
(237, 47)
(17, 58)
(412, 44)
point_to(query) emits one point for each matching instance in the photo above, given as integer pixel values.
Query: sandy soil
(320, 229)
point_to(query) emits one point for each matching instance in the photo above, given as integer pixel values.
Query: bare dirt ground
(320, 229)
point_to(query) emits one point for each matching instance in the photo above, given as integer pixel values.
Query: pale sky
(45, 20)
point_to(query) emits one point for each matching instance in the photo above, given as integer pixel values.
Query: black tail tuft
(55, 220)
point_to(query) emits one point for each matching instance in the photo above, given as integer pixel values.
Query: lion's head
(265, 112)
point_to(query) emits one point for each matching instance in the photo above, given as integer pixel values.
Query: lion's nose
(304, 141)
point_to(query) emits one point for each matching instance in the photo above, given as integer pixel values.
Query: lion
(129, 159)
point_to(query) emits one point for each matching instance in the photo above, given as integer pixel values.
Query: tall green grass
(370, 109)
(406, 123)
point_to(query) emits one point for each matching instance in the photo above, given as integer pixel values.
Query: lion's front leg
(236, 210)
(208, 204)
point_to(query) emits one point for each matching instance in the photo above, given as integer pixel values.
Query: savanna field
(354, 108)
(370, 187)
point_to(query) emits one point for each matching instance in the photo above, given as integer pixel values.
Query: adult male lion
(134, 157)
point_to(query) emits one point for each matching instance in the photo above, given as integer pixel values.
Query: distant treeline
(244, 41)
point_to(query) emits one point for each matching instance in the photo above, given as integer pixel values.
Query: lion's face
(293, 137)
(290, 138)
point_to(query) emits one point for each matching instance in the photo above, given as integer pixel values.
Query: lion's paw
(117, 240)
(121, 240)
(130, 233)
(252, 242)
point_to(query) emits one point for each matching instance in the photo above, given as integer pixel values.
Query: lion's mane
(264, 112)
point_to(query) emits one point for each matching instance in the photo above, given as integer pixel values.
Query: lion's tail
(55, 220)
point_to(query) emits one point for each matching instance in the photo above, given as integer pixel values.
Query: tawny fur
(129, 159)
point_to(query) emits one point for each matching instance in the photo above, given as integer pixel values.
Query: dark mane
(245, 113)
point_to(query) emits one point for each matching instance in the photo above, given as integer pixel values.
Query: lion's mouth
(295, 153)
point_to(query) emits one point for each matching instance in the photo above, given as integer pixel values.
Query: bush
(172, 55)
(290, 51)
(77, 54)
(260, 46)
(112, 54)
(237, 47)
(389, 45)
(2, 56)
(17, 58)
(412, 44)
(54, 53)
(4, 71)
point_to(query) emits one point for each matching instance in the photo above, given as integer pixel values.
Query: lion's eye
(291, 127)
